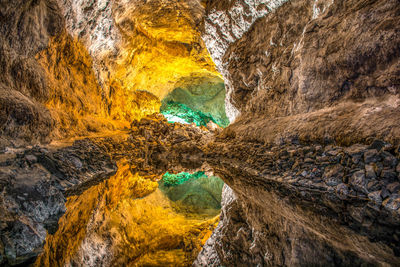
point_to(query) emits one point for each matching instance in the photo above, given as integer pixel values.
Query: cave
(199, 133)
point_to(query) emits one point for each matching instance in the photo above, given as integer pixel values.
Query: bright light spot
(172, 118)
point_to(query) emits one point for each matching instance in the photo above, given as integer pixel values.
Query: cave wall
(76, 68)
(23, 86)
(312, 155)
(336, 62)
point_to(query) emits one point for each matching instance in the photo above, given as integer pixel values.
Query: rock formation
(313, 154)
(75, 68)
(310, 158)
(35, 183)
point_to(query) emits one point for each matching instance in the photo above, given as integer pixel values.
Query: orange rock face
(126, 220)
(95, 67)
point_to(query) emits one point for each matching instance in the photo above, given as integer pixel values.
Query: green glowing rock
(180, 178)
(206, 96)
(193, 193)
(177, 112)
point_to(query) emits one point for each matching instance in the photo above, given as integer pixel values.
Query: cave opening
(198, 193)
(199, 103)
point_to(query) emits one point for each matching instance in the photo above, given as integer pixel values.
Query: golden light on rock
(161, 44)
(159, 49)
(126, 219)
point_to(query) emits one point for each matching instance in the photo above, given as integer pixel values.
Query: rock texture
(113, 225)
(205, 95)
(298, 60)
(75, 68)
(302, 204)
(36, 182)
(312, 155)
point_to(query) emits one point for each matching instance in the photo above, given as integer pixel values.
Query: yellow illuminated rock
(126, 219)
(161, 44)
(159, 48)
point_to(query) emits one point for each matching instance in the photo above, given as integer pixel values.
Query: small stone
(333, 175)
(385, 193)
(389, 175)
(375, 197)
(76, 162)
(370, 172)
(374, 185)
(332, 152)
(356, 150)
(342, 191)
(388, 159)
(392, 203)
(358, 181)
(393, 187)
(398, 168)
(377, 144)
(31, 158)
(371, 155)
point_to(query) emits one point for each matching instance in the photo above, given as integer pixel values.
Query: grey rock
(31, 158)
(371, 155)
(389, 175)
(370, 171)
(385, 193)
(359, 182)
(373, 185)
(333, 175)
(36, 193)
(342, 191)
(377, 144)
(376, 198)
(388, 159)
(393, 187)
(393, 204)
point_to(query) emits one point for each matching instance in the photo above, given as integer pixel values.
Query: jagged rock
(393, 187)
(370, 172)
(295, 81)
(34, 186)
(312, 91)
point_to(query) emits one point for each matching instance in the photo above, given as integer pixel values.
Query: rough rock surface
(35, 182)
(310, 86)
(74, 68)
(306, 204)
(34, 186)
(319, 58)
(312, 156)
(126, 220)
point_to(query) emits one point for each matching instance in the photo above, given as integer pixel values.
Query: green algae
(170, 179)
(177, 112)
(193, 194)
(200, 103)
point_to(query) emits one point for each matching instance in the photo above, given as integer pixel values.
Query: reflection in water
(194, 194)
(128, 221)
